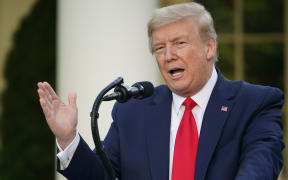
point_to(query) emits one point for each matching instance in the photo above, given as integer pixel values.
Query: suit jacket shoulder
(243, 140)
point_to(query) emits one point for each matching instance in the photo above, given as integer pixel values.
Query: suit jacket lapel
(158, 134)
(213, 123)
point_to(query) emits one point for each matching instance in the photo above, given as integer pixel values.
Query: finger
(48, 116)
(57, 105)
(39, 84)
(48, 95)
(41, 93)
(50, 90)
(45, 91)
(43, 96)
(45, 109)
(72, 99)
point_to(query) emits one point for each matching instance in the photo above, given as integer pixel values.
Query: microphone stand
(95, 132)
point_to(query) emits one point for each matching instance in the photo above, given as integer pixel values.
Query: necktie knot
(189, 103)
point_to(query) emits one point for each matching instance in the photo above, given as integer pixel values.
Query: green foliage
(28, 144)
(222, 12)
(262, 16)
(264, 64)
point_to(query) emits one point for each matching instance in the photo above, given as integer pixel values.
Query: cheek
(161, 64)
(196, 65)
(190, 53)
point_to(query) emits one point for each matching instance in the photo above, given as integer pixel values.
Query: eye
(158, 49)
(181, 43)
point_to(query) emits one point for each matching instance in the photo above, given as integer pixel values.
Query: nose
(169, 53)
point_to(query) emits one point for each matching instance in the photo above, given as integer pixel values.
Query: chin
(178, 90)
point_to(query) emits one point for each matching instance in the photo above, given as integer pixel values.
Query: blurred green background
(27, 149)
(253, 46)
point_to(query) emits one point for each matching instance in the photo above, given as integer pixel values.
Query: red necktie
(185, 149)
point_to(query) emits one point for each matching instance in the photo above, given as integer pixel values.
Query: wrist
(64, 142)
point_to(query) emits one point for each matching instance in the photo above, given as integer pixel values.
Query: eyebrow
(156, 44)
(177, 38)
(171, 40)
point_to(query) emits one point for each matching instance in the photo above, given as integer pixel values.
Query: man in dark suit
(200, 126)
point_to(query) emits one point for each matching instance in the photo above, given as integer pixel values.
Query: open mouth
(176, 72)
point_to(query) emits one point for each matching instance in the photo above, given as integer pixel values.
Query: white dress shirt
(201, 98)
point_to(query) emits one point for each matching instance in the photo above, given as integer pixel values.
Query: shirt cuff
(66, 155)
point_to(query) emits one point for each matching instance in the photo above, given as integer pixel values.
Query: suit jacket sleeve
(85, 164)
(262, 142)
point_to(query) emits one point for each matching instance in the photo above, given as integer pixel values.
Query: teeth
(176, 74)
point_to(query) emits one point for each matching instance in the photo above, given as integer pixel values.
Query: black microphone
(138, 90)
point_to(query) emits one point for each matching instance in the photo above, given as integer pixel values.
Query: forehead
(178, 29)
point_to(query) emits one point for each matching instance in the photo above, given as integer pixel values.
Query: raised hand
(61, 118)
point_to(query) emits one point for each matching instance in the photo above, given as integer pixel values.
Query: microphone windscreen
(148, 89)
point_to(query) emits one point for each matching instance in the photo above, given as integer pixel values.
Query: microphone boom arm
(95, 132)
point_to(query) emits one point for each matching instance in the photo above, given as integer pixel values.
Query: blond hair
(195, 11)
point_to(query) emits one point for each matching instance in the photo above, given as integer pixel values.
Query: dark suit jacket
(242, 143)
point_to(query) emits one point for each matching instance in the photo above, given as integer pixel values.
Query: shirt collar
(201, 98)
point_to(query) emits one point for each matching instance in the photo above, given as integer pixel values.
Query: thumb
(72, 99)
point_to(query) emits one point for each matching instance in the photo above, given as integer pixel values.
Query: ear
(211, 48)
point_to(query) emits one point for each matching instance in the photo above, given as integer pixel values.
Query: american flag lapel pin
(224, 108)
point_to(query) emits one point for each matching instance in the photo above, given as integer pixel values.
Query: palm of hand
(63, 119)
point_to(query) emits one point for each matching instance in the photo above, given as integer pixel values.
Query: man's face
(184, 60)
